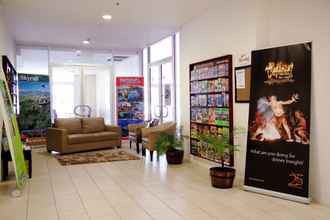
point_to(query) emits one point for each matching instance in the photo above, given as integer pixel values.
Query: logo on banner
(279, 72)
(296, 180)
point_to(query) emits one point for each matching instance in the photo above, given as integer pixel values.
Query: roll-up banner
(278, 143)
(34, 102)
(130, 102)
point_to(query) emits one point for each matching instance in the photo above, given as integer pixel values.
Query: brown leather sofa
(81, 134)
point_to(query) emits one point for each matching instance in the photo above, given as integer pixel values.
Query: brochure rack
(211, 105)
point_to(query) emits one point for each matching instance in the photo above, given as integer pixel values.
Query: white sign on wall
(244, 59)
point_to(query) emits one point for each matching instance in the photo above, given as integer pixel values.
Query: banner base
(278, 194)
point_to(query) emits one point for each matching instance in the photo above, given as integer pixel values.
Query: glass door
(168, 97)
(162, 92)
(155, 92)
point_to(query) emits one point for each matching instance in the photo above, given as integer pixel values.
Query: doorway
(162, 91)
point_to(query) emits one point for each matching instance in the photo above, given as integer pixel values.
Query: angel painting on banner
(271, 120)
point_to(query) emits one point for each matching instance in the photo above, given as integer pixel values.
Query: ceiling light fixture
(107, 17)
(87, 41)
(78, 53)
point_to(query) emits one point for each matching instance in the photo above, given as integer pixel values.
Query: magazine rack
(211, 105)
(11, 77)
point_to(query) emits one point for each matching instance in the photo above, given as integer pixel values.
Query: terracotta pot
(222, 177)
(174, 156)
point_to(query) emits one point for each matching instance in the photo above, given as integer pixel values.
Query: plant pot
(222, 177)
(174, 156)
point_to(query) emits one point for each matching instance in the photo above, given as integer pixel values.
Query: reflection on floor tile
(138, 190)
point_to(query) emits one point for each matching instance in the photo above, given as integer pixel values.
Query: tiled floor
(138, 190)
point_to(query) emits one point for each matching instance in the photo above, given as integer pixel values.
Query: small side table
(6, 158)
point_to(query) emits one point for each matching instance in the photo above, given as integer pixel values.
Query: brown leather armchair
(150, 135)
(135, 132)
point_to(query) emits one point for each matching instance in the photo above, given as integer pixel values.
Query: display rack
(211, 105)
(12, 78)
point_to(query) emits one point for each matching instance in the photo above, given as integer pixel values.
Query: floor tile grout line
(171, 207)
(52, 187)
(204, 211)
(28, 200)
(78, 193)
(114, 209)
(160, 200)
(171, 188)
(128, 194)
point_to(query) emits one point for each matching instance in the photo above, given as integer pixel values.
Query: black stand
(6, 158)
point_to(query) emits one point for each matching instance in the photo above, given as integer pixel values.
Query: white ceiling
(66, 23)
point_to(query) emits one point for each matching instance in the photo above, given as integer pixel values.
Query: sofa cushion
(73, 125)
(92, 137)
(93, 125)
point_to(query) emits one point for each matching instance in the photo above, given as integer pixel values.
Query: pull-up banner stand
(13, 136)
(277, 158)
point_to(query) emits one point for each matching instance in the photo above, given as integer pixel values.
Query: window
(161, 50)
(65, 90)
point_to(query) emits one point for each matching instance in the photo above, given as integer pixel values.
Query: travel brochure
(211, 100)
(209, 86)
(211, 116)
(209, 72)
(203, 150)
(208, 129)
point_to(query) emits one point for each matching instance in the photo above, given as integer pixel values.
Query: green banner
(12, 132)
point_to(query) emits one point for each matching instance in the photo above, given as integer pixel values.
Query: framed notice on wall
(211, 107)
(242, 84)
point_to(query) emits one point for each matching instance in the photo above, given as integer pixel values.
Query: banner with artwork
(34, 102)
(12, 133)
(278, 142)
(130, 102)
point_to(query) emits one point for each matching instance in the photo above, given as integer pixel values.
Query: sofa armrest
(113, 128)
(57, 139)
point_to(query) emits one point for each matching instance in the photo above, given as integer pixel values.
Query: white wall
(227, 29)
(300, 21)
(239, 26)
(7, 44)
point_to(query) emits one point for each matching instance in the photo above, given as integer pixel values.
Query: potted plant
(221, 176)
(170, 145)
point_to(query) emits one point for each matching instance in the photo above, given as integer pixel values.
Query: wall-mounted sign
(244, 59)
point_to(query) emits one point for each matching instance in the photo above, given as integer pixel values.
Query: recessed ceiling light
(86, 41)
(107, 17)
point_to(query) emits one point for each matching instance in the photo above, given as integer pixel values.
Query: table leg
(137, 147)
(143, 151)
(30, 168)
(5, 169)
